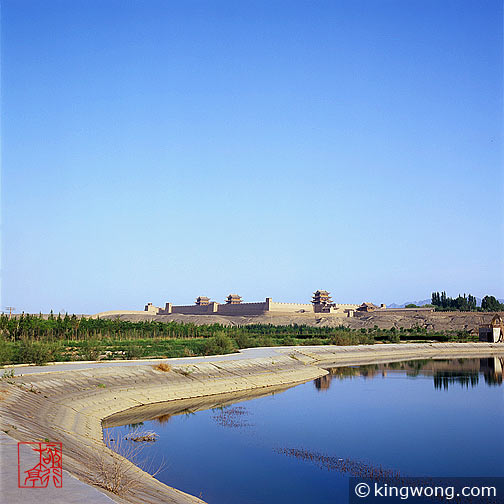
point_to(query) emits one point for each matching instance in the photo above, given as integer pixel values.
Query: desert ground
(384, 319)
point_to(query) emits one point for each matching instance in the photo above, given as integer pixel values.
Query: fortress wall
(222, 309)
(337, 309)
(245, 309)
(194, 309)
(290, 307)
(242, 309)
(343, 309)
(340, 313)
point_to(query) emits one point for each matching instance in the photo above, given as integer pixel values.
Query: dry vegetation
(115, 468)
(162, 366)
(140, 436)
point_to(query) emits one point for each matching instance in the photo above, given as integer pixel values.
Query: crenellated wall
(242, 309)
(289, 307)
(196, 309)
(245, 309)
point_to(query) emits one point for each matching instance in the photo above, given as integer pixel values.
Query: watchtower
(233, 299)
(321, 301)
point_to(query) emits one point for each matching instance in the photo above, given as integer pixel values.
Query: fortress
(321, 303)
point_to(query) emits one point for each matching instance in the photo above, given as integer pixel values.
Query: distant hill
(418, 303)
(428, 301)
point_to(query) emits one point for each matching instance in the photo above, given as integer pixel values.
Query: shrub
(8, 373)
(91, 350)
(289, 341)
(394, 338)
(117, 472)
(243, 341)
(264, 341)
(134, 351)
(188, 352)
(312, 341)
(366, 340)
(219, 344)
(343, 339)
(35, 352)
(6, 352)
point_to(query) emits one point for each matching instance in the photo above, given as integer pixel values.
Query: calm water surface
(417, 418)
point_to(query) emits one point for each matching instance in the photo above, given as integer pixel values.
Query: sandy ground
(437, 321)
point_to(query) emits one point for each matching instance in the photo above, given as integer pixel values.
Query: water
(420, 418)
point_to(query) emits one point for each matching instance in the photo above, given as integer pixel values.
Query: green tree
(471, 302)
(489, 303)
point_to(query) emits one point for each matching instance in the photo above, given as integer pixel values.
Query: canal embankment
(68, 403)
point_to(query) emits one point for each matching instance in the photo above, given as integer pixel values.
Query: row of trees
(38, 327)
(72, 328)
(465, 303)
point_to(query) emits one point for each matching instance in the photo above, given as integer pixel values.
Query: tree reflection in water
(463, 372)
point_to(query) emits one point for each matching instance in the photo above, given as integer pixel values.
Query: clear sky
(158, 150)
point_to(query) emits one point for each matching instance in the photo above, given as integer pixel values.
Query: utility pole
(11, 309)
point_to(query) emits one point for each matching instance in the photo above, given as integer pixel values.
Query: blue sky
(161, 150)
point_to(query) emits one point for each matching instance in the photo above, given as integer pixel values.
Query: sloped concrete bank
(69, 406)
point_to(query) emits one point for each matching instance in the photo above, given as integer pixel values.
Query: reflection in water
(302, 445)
(342, 465)
(162, 419)
(323, 382)
(492, 370)
(135, 425)
(164, 411)
(443, 379)
(232, 417)
(463, 372)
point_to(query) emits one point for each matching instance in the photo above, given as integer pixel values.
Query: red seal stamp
(40, 465)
